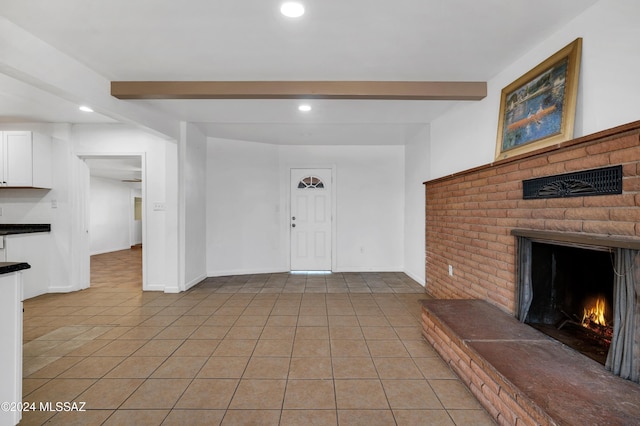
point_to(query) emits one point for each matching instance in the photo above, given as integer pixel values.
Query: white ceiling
(421, 40)
(121, 168)
(21, 102)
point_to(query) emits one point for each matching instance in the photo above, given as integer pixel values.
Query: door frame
(85, 210)
(286, 222)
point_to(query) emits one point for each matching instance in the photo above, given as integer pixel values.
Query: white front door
(310, 220)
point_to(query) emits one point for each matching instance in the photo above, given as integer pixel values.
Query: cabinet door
(18, 159)
(35, 250)
(11, 348)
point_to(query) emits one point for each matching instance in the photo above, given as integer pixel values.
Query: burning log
(597, 333)
(604, 332)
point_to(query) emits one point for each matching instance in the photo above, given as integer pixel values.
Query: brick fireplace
(470, 215)
(478, 223)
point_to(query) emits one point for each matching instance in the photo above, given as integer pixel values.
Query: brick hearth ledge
(521, 376)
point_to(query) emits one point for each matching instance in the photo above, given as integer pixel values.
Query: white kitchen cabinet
(25, 160)
(11, 348)
(33, 248)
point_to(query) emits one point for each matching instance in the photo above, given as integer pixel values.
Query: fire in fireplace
(594, 310)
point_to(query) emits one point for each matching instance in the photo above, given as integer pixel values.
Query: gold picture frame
(538, 109)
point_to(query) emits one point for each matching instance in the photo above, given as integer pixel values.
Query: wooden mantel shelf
(633, 127)
(581, 239)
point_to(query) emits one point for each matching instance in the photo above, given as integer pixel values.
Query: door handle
(293, 225)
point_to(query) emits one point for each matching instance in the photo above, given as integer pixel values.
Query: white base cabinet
(11, 348)
(33, 249)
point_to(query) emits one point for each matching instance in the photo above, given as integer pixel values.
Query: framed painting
(538, 109)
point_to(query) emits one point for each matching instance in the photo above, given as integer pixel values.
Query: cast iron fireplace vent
(604, 181)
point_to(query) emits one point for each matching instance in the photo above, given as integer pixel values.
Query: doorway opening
(115, 217)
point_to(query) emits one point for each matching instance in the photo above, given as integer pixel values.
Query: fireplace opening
(572, 296)
(583, 290)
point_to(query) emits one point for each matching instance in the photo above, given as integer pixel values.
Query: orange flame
(595, 313)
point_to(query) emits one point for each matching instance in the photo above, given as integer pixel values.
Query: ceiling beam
(362, 90)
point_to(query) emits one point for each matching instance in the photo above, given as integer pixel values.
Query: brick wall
(469, 215)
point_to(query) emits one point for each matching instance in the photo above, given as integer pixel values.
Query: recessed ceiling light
(292, 9)
(85, 108)
(305, 108)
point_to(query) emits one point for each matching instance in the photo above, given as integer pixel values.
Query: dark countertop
(8, 267)
(12, 229)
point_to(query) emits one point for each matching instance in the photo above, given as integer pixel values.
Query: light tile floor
(272, 349)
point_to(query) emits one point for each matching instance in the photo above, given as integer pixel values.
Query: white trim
(61, 289)
(195, 281)
(182, 207)
(369, 269)
(156, 287)
(143, 164)
(419, 280)
(212, 274)
(110, 250)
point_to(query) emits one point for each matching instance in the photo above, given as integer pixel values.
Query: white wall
(416, 162)
(110, 215)
(248, 206)
(369, 183)
(608, 89)
(243, 208)
(26, 205)
(160, 255)
(193, 152)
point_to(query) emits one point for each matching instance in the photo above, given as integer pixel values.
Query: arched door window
(311, 182)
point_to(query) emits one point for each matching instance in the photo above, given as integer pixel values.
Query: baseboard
(369, 269)
(195, 281)
(62, 289)
(280, 271)
(154, 287)
(111, 250)
(245, 272)
(419, 280)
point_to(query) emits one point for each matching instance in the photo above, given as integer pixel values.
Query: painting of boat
(535, 118)
(538, 109)
(534, 111)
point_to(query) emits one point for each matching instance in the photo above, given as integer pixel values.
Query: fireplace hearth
(519, 375)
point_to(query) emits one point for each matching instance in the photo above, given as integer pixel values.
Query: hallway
(263, 349)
